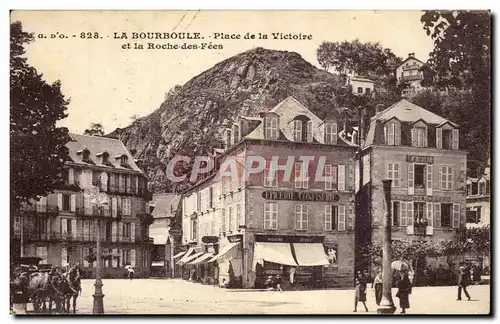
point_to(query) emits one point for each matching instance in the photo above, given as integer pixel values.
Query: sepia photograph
(198, 162)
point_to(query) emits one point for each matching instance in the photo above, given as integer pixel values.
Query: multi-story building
(62, 227)
(478, 199)
(166, 233)
(419, 151)
(259, 224)
(409, 72)
(362, 86)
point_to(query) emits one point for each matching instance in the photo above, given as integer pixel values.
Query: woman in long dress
(377, 285)
(404, 291)
(360, 292)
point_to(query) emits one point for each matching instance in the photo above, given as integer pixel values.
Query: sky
(108, 84)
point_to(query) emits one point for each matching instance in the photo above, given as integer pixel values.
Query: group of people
(363, 278)
(443, 276)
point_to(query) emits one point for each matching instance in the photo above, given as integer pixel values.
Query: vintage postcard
(250, 162)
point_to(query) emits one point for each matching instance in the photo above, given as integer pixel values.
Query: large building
(62, 227)
(245, 229)
(478, 199)
(409, 72)
(419, 151)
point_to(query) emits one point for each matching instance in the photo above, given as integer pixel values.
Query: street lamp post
(386, 304)
(98, 295)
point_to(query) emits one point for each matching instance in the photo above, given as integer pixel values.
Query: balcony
(408, 78)
(93, 211)
(68, 238)
(47, 211)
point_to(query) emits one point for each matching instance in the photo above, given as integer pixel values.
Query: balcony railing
(76, 237)
(48, 211)
(93, 211)
(411, 77)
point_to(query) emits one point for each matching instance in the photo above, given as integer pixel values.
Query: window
(393, 173)
(123, 160)
(126, 206)
(473, 215)
(228, 137)
(469, 189)
(126, 257)
(271, 216)
(236, 134)
(301, 217)
(194, 230)
(270, 177)
(126, 230)
(396, 213)
(297, 130)
(66, 202)
(474, 188)
(86, 156)
(419, 214)
(223, 220)
(368, 91)
(301, 175)
(105, 158)
(482, 188)
(446, 210)
(419, 176)
(230, 218)
(64, 256)
(392, 134)
(446, 177)
(360, 90)
(41, 252)
(330, 177)
(65, 176)
(17, 225)
(330, 133)
(238, 216)
(108, 233)
(447, 139)
(68, 227)
(419, 136)
(309, 131)
(331, 217)
(271, 127)
(211, 197)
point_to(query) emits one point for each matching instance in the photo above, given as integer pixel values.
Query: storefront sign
(289, 239)
(300, 196)
(420, 159)
(437, 199)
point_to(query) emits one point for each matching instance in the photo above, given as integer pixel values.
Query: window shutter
(298, 210)
(73, 203)
(439, 138)
(341, 218)
(350, 177)
(113, 231)
(403, 214)
(85, 253)
(414, 139)
(430, 218)
(223, 218)
(334, 133)
(425, 136)
(350, 223)
(437, 215)
(71, 176)
(328, 217)
(397, 134)
(274, 216)
(64, 256)
(59, 201)
(132, 232)
(120, 231)
(115, 253)
(389, 171)
(456, 215)
(73, 227)
(428, 188)
(121, 261)
(391, 134)
(341, 181)
(411, 172)
(64, 226)
(297, 174)
(132, 258)
(309, 131)
(454, 134)
(114, 207)
(409, 220)
(386, 137)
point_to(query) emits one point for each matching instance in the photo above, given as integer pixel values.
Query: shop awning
(310, 254)
(273, 252)
(193, 257)
(225, 251)
(202, 258)
(186, 255)
(158, 264)
(178, 255)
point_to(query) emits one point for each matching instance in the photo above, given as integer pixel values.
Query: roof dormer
(392, 131)
(123, 158)
(302, 129)
(419, 133)
(271, 125)
(85, 155)
(447, 136)
(330, 131)
(104, 156)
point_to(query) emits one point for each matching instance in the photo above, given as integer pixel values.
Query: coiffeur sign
(300, 196)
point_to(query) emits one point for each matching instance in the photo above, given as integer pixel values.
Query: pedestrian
(360, 291)
(404, 291)
(292, 275)
(130, 272)
(278, 281)
(377, 286)
(463, 282)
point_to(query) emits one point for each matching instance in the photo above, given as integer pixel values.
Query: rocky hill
(188, 121)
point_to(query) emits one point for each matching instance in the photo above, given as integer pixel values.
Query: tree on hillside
(359, 58)
(95, 129)
(37, 146)
(461, 59)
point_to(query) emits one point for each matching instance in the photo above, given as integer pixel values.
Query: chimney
(361, 126)
(411, 54)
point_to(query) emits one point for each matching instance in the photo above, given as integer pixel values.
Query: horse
(44, 287)
(71, 287)
(19, 287)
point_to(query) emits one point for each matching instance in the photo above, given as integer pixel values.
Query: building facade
(478, 199)
(258, 224)
(62, 227)
(409, 72)
(362, 86)
(419, 151)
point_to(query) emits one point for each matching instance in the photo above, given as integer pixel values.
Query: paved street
(167, 296)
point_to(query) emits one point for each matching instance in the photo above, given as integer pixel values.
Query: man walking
(463, 282)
